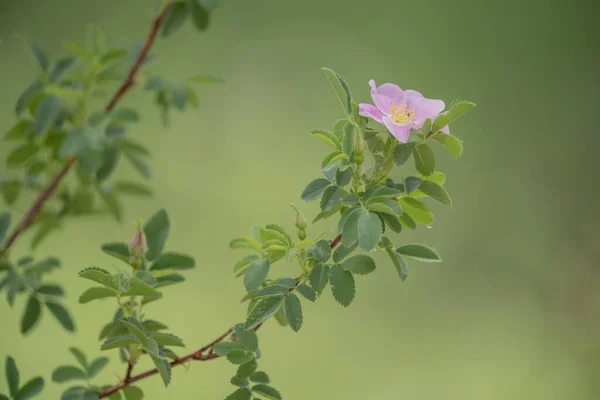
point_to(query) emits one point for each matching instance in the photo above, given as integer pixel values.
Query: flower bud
(300, 219)
(301, 234)
(138, 246)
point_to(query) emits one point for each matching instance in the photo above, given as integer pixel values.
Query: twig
(35, 209)
(198, 355)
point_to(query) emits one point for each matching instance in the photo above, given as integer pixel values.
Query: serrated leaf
(267, 391)
(436, 192)
(31, 389)
(80, 357)
(386, 206)
(96, 293)
(417, 210)
(369, 231)
(314, 189)
(157, 230)
(260, 377)
(451, 143)
(97, 366)
(98, 275)
(173, 261)
(360, 264)
(306, 292)
(240, 394)
(412, 183)
(247, 369)
(342, 285)
(424, 159)
(31, 315)
(256, 274)
(134, 330)
(118, 341)
(50, 290)
(118, 250)
(263, 310)
(399, 263)
(223, 348)
(343, 251)
(419, 252)
(133, 393)
(407, 222)
(12, 376)
(328, 138)
(341, 89)
(67, 373)
(169, 280)
(151, 325)
(46, 114)
(163, 366)
(349, 225)
(331, 198)
(272, 290)
(293, 311)
(402, 153)
(138, 287)
(246, 338)
(166, 339)
(348, 139)
(320, 251)
(457, 109)
(62, 315)
(238, 357)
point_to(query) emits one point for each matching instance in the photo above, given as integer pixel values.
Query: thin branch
(37, 206)
(198, 355)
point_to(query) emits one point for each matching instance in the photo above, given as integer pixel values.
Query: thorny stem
(37, 206)
(198, 355)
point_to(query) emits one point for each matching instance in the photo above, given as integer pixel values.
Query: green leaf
(342, 285)
(369, 231)
(320, 251)
(12, 376)
(341, 89)
(315, 189)
(21, 154)
(67, 373)
(36, 168)
(328, 138)
(331, 198)
(133, 393)
(128, 115)
(97, 366)
(46, 114)
(98, 275)
(348, 139)
(256, 274)
(138, 287)
(246, 338)
(173, 261)
(118, 250)
(263, 310)
(240, 394)
(456, 110)
(419, 252)
(167, 339)
(5, 219)
(348, 225)
(407, 222)
(306, 292)
(424, 159)
(267, 391)
(223, 348)
(96, 293)
(436, 192)
(343, 178)
(412, 183)
(138, 163)
(21, 130)
(60, 68)
(293, 311)
(240, 381)
(133, 188)
(451, 143)
(135, 331)
(80, 357)
(50, 290)
(417, 210)
(402, 153)
(151, 325)
(157, 231)
(30, 389)
(237, 356)
(399, 263)
(360, 264)
(118, 341)
(62, 315)
(28, 94)
(163, 366)
(200, 14)
(343, 251)
(260, 377)
(272, 290)
(113, 205)
(40, 55)
(175, 18)
(386, 206)
(31, 314)
(11, 191)
(246, 370)
(169, 280)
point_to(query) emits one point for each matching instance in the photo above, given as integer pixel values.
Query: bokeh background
(512, 313)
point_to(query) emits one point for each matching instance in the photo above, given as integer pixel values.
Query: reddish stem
(37, 206)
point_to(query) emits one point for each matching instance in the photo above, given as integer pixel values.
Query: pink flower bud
(138, 246)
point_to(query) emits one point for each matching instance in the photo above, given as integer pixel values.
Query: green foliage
(293, 311)
(29, 390)
(340, 88)
(342, 285)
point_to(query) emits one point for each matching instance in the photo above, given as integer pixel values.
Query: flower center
(400, 115)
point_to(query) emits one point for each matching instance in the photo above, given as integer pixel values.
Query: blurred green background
(512, 313)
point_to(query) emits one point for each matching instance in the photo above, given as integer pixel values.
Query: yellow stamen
(400, 115)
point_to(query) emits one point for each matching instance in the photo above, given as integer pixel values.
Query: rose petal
(386, 95)
(399, 132)
(370, 111)
(427, 108)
